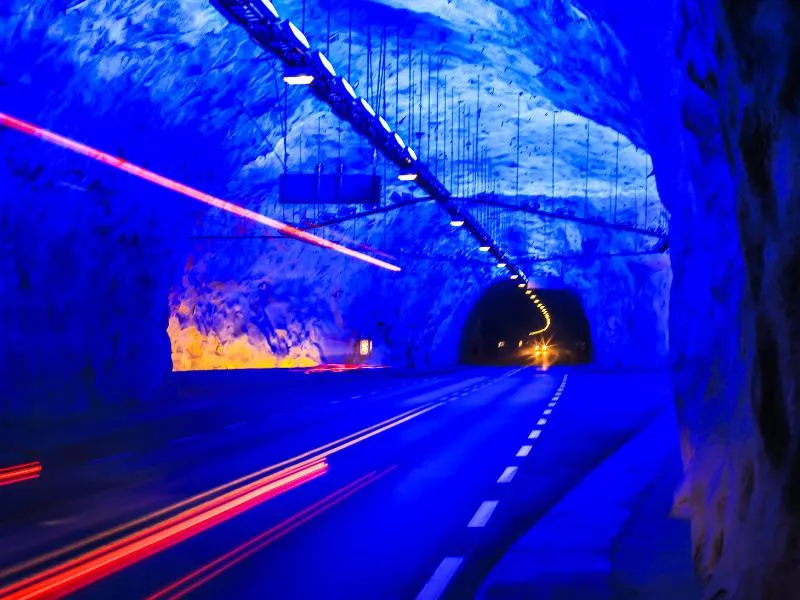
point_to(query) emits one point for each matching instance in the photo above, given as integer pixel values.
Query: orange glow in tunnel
(170, 184)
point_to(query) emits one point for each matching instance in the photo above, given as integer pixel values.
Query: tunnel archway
(497, 329)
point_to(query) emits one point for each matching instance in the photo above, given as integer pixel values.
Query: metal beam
(494, 201)
(281, 39)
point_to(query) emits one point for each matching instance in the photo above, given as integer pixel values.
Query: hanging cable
(616, 181)
(328, 38)
(397, 83)
(350, 43)
(516, 184)
(428, 152)
(586, 181)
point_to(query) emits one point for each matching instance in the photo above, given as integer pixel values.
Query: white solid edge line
(483, 514)
(507, 474)
(535, 434)
(541, 422)
(441, 577)
(524, 450)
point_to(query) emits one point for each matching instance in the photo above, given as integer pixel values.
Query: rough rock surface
(720, 82)
(174, 88)
(96, 268)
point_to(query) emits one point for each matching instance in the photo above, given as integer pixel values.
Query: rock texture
(720, 83)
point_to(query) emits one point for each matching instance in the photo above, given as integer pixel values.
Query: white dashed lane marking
(547, 411)
(507, 475)
(541, 422)
(483, 514)
(524, 450)
(437, 584)
(534, 435)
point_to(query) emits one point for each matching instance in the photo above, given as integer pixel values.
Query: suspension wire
(319, 161)
(384, 46)
(444, 129)
(384, 66)
(328, 39)
(476, 186)
(453, 157)
(646, 181)
(616, 181)
(586, 181)
(397, 82)
(410, 116)
(429, 108)
(285, 125)
(438, 116)
(458, 177)
(553, 165)
(419, 95)
(465, 153)
(369, 65)
(516, 185)
(350, 43)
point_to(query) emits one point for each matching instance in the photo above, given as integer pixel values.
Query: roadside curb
(568, 553)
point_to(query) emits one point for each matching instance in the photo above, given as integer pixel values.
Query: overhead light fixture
(384, 124)
(297, 76)
(269, 6)
(326, 64)
(399, 140)
(514, 276)
(299, 35)
(407, 176)
(367, 107)
(528, 292)
(484, 248)
(501, 265)
(520, 285)
(411, 153)
(348, 88)
(457, 222)
(259, 4)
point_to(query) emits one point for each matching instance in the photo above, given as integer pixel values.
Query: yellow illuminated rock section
(196, 351)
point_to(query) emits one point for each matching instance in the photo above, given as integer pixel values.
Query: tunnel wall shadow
(497, 329)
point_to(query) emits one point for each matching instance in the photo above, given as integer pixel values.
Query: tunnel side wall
(89, 253)
(720, 113)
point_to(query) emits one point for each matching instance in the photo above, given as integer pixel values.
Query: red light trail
(83, 570)
(17, 473)
(170, 184)
(209, 571)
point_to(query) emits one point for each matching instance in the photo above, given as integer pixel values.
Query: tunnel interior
(499, 328)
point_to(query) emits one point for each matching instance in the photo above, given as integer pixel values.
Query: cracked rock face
(103, 273)
(721, 82)
(100, 275)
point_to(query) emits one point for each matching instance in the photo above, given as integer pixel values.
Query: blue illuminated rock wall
(100, 266)
(719, 85)
(89, 253)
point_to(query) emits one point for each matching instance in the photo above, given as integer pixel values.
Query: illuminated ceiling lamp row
(318, 68)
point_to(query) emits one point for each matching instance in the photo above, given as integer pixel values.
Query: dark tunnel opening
(498, 329)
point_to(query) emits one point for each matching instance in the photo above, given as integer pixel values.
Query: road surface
(330, 485)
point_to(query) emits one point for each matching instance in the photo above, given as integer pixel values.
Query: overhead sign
(333, 188)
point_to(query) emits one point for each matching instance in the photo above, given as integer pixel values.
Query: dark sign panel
(334, 188)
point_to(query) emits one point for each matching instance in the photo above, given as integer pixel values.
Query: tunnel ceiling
(200, 70)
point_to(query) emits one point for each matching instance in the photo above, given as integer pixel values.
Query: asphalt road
(383, 487)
